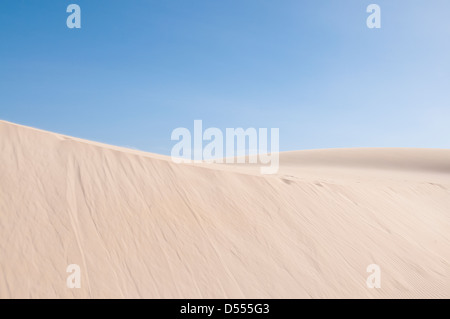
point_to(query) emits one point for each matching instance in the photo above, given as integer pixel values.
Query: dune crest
(139, 225)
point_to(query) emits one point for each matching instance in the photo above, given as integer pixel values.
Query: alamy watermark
(374, 19)
(374, 280)
(191, 148)
(74, 279)
(74, 19)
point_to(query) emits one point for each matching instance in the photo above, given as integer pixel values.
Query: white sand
(141, 226)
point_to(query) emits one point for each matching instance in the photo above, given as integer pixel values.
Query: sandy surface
(141, 226)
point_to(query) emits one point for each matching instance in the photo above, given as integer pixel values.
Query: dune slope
(139, 225)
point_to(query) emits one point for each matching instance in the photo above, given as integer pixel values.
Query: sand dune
(141, 226)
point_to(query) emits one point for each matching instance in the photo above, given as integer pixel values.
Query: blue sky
(138, 69)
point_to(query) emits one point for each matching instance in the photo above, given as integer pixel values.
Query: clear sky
(138, 69)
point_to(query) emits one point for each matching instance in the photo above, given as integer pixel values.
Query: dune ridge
(141, 226)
